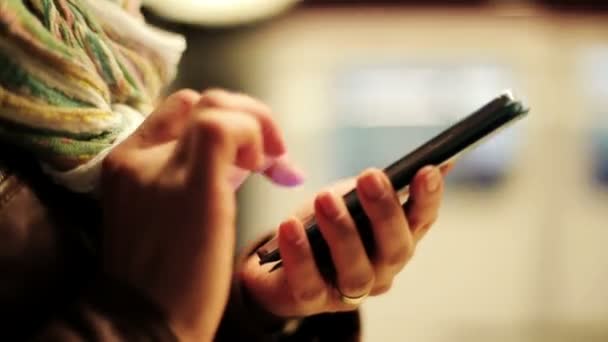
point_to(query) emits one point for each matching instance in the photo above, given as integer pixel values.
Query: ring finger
(355, 273)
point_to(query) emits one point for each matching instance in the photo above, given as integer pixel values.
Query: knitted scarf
(77, 77)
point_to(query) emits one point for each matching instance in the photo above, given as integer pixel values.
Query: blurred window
(384, 111)
(595, 80)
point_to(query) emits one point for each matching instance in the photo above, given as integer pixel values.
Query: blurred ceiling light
(218, 12)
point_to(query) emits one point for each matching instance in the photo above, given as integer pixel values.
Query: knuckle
(385, 208)
(431, 221)
(128, 170)
(120, 165)
(310, 295)
(264, 113)
(399, 257)
(211, 129)
(168, 182)
(342, 229)
(344, 223)
(381, 289)
(214, 97)
(111, 162)
(114, 162)
(421, 232)
(426, 226)
(259, 104)
(422, 221)
(161, 126)
(357, 284)
(389, 205)
(186, 98)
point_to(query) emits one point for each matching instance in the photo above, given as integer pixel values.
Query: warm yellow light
(218, 12)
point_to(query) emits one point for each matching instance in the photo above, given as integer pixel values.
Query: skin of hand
(168, 196)
(298, 289)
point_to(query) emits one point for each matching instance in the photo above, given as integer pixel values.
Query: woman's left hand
(298, 289)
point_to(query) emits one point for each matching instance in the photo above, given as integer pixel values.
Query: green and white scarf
(77, 77)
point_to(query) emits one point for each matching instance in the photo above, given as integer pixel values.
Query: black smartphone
(447, 145)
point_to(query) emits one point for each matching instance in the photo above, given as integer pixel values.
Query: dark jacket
(51, 288)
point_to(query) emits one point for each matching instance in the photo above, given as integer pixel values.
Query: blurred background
(519, 252)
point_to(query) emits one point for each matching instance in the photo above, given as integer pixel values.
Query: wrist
(254, 319)
(264, 318)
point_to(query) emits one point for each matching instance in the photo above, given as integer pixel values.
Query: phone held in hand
(448, 145)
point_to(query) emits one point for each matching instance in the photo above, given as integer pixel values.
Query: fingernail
(284, 172)
(291, 232)
(328, 205)
(372, 186)
(432, 180)
(288, 176)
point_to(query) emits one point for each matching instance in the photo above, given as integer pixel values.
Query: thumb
(280, 171)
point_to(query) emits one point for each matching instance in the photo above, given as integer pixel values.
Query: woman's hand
(169, 204)
(298, 289)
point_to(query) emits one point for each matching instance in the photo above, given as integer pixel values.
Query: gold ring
(355, 301)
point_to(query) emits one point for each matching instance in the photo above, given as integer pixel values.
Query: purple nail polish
(287, 177)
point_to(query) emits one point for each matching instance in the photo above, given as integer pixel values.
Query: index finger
(274, 143)
(423, 205)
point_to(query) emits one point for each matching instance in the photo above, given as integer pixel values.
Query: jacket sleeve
(51, 290)
(111, 311)
(108, 311)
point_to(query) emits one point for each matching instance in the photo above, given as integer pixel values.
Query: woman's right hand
(168, 194)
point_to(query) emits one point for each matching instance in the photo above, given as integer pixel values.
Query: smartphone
(448, 145)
